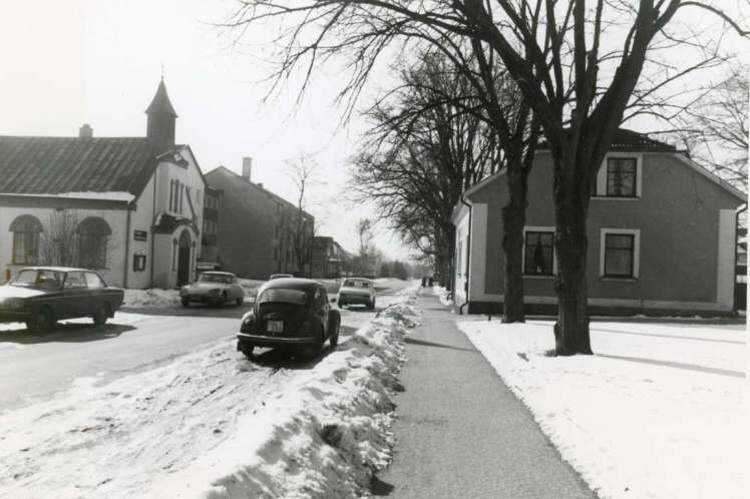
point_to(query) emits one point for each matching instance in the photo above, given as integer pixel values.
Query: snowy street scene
(343, 249)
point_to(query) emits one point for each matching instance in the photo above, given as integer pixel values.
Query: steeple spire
(160, 127)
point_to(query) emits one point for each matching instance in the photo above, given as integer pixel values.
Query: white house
(129, 207)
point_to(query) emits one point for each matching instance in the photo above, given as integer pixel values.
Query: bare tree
(577, 63)
(714, 128)
(303, 173)
(58, 243)
(424, 149)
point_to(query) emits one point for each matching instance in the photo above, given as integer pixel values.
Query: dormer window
(619, 177)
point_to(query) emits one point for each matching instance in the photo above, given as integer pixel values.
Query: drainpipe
(468, 252)
(736, 243)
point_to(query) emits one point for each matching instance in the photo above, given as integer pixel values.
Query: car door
(97, 293)
(74, 302)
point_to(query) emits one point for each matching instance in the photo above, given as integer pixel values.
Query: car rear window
(357, 284)
(281, 295)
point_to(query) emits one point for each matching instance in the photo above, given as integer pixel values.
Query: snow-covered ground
(659, 412)
(214, 424)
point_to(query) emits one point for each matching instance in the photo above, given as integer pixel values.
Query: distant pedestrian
(430, 281)
(424, 281)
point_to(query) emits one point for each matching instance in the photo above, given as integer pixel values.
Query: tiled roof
(52, 165)
(628, 140)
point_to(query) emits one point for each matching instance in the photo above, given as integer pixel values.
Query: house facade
(129, 207)
(259, 233)
(661, 236)
(329, 259)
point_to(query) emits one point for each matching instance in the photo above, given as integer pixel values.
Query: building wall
(115, 217)
(255, 227)
(685, 227)
(142, 219)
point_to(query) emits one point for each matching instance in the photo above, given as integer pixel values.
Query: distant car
(291, 312)
(357, 291)
(40, 296)
(279, 276)
(215, 288)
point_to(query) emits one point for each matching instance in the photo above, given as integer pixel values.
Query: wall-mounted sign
(140, 235)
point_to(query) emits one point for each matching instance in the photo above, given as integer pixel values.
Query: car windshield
(349, 283)
(283, 295)
(220, 278)
(47, 279)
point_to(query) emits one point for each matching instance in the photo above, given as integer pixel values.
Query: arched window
(26, 230)
(93, 236)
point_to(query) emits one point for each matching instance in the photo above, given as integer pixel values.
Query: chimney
(85, 132)
(247, 168)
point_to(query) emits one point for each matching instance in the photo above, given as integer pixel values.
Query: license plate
(275, 326)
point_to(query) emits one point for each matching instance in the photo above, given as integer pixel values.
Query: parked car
(279, 276)
(40, 296)
(215, 288)
(357, 291)
(292, 312)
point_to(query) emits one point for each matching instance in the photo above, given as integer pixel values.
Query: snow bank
(151, 298)
(323, 437)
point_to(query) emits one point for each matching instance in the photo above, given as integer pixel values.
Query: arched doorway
(183, 259)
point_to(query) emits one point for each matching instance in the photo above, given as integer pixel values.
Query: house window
(26, 231)
(93, 237)
(620, 253)
(171, 195)
(621, 177)
(538, 253)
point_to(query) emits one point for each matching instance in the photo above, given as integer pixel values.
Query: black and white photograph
(334, 249)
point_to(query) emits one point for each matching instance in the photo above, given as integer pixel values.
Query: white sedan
(215, 288)
(357, 291)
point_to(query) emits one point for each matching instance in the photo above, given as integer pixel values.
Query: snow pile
(151, 298)
(443, 294)
(323, 436)
(659, 411)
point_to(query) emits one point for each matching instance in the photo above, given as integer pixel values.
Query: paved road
(460, 432)
(33, 366)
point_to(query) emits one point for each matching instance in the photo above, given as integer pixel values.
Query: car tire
(314, 351)
(185, 302)
(42, 320)
(101, 315)
(335, 336)
(222, 300)
(247, 350)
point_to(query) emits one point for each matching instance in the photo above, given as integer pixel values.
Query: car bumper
(355, 299)
(260, 340)
(203, 298)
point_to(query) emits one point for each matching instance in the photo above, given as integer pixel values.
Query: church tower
(161, 120)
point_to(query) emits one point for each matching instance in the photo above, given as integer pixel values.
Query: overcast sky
(65, 63)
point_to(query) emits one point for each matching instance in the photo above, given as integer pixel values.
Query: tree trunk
(514, 219)
(571, 243)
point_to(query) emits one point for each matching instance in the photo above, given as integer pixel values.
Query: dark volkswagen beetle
(40, 296)
(290, 312)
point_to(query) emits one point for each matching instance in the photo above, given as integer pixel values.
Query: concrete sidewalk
(460, 432)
